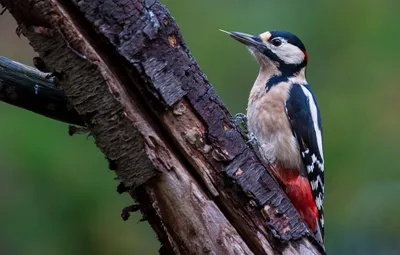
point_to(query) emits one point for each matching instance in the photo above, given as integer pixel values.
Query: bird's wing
(305, 120)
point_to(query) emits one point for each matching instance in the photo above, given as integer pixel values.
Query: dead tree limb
(129, 75)
(30, 89)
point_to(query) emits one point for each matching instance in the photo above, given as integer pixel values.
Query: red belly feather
(298, 189)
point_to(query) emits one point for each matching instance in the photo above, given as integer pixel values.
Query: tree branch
(130, 76)
(30, 89)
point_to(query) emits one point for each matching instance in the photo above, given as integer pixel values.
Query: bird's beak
(246, 39)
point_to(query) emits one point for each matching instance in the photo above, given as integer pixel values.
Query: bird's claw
(252, 139)
(241, 120)
(240, 117)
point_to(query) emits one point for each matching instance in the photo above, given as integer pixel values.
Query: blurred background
(57, 195)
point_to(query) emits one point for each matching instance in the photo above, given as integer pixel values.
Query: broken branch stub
(28, 88)
(130, 76)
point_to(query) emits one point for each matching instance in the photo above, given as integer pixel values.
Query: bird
(284, 117)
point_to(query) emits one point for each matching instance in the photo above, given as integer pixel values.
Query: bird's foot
(252, 140)
(241, 120)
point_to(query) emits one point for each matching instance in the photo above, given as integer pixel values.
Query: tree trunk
(126, 70)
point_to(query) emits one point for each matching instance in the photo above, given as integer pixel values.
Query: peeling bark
(130, 76)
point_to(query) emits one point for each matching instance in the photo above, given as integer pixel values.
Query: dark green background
(58, 197)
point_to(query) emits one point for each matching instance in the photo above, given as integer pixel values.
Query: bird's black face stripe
(272, 56)
(287, 70)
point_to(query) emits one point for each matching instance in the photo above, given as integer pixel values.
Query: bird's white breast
(268, 121)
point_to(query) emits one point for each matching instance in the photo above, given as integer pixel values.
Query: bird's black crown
(291, 38)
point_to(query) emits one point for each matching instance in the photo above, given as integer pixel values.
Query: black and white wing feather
(305, 121)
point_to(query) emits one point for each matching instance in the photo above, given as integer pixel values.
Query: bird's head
(281, 49)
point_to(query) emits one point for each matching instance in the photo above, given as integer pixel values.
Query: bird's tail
(319, 233)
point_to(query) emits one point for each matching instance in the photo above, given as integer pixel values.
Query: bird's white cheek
(289, 54)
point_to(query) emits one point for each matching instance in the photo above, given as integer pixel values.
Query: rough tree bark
(126, 70)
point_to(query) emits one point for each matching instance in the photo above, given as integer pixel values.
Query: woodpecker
(284, 117)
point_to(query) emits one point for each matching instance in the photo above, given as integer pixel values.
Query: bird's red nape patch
(306, 55)
(298, 189)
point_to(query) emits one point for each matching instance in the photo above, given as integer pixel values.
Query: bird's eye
(276, 42)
